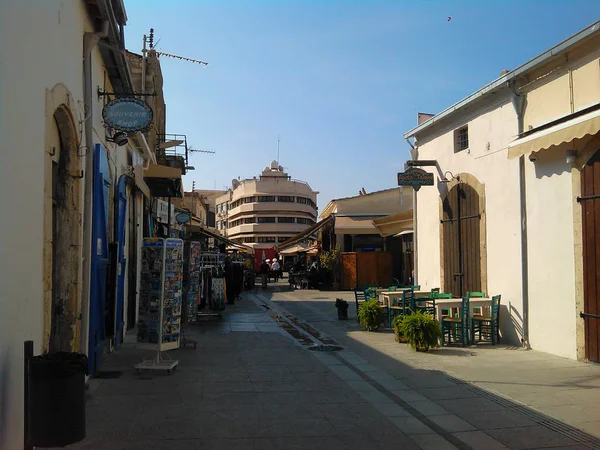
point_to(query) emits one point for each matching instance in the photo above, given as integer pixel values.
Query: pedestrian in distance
(264, 273)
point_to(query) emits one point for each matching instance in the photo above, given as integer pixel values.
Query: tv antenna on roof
(190, 149)
(150, 41)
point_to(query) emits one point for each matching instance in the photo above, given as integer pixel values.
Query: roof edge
(499, 82)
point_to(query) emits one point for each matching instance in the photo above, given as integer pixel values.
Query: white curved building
(266, 210)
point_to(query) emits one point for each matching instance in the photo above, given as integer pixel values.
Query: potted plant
(422, 331)
(397, 325)
(342, 308)
(330, 263)
(369, 315)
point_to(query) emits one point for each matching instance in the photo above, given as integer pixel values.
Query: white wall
(50, 54)
(489, 135)
(552, 318)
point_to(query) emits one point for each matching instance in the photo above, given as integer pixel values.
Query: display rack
(159, 323)
(191, 281)
(212, 290)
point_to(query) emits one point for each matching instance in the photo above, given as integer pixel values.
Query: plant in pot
(342, 308)
(369, 315)
(330, 263)
(397, 325)
(422, 331)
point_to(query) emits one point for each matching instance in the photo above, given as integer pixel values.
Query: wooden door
(366, 267)
(348, 271)
(461, 240)
(384, 269)
(590, 202)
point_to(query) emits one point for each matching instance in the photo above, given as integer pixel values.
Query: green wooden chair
(401, 306)
(359, 297)
(488, 326)
(457, 327)
(392, 288)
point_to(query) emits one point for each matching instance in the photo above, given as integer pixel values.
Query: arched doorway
(461, 240)
(65, 234)
(590, 203)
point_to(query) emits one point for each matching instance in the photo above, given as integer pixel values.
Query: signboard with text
(415, 178)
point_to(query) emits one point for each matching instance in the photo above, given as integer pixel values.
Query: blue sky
(339, 81)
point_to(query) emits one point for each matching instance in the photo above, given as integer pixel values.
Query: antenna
(183, 58)
(278, 162)
(190, 149)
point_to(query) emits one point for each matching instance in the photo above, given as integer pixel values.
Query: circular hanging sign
(182, 218)
(127, 114)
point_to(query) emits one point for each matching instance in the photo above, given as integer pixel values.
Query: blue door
(121, 212)
(99, 260)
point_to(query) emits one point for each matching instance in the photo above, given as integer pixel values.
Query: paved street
(252, 383)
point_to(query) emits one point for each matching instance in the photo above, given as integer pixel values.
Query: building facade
(511, 211)
(266, 210)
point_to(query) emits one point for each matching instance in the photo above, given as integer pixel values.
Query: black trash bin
(57, 399)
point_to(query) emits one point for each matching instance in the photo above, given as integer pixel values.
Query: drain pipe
(518, 102)
(414, 154)
(90, 40)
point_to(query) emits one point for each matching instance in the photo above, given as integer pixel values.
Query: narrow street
(252, 383)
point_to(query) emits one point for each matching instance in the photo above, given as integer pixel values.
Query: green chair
(416, 287)
(457, 327)
(401, 307)
(392, 288)
(488, 326)
(359, 297)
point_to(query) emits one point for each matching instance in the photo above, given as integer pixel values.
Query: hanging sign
(182, 218)
(415, 177)
(127, 114)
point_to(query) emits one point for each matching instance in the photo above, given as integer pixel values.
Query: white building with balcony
(265, 210)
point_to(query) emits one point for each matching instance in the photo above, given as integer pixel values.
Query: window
(249, 240)
(249, 199)
(286, 198)
(266, 198)
(250, 220)
(283, 238)
(266, 220)
(266, 239)
(304, 221)
(286, 220)
(302, 200)
(461, 139)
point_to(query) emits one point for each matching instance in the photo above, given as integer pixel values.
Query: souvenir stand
(159, 323)
(191, 283)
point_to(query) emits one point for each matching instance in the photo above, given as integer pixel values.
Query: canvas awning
(562, 131)
(164, 181)
(138, 172)
(394, 223)
(294, 249)
(355, 225)
(206, 231)
(303, 234)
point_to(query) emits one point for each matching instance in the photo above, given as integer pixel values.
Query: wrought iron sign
(415, 177)
(127, 114)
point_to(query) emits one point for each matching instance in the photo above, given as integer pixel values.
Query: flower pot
(343, 313)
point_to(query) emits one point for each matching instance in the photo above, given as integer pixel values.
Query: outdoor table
(387, 296)
(451, 303)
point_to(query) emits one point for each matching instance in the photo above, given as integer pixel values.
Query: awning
(405, 232)
(355, 225)
(394, 223)
(205, 231)
(164, 181)
(138, 172)
(562, 131)
(303, 234)
(294, 249)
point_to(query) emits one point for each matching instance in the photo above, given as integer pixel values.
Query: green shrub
(397, 325)
(369, 314)
(422, 330)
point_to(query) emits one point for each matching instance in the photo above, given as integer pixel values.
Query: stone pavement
(514, 395)
(252, 383)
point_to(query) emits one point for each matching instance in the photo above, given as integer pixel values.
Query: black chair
(359, 297)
